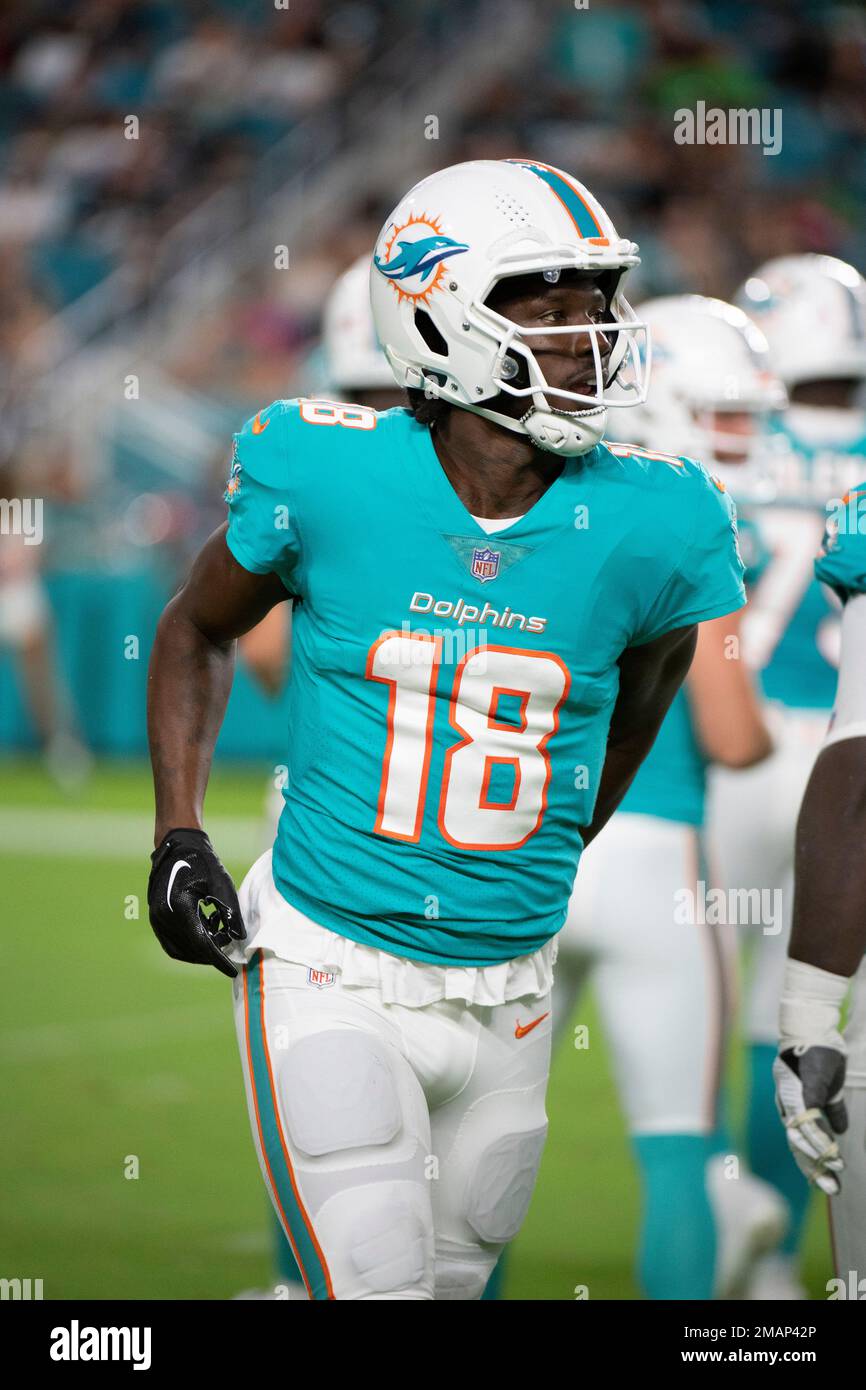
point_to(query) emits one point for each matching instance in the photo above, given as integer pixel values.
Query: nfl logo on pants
(485, 564)
(320, 978)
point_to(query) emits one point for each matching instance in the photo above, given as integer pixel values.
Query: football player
(821, 1076)
(812, 310)
(492, 615)
(662, 973)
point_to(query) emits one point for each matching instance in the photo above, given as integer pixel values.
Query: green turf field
(116, 1058)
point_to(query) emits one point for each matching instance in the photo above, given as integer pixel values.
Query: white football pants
(399, 1145)
(751, 822)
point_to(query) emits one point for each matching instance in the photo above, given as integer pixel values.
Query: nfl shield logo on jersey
(320, 978)
(485, 564)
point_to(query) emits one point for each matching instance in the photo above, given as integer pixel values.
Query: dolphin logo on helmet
(419, 257)
(414, 252)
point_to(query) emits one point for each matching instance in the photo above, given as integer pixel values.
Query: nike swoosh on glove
(193, 905)
(809, 1083)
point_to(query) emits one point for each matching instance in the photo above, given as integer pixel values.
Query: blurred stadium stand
(148, 264)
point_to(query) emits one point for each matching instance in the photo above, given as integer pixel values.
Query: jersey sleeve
(263, 531)
(841, 561)
(707, 579)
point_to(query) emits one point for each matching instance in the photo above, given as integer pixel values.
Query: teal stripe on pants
(311, 1261)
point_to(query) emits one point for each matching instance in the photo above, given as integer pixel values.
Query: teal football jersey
(451, 691)
(841, 563)
(792, 626)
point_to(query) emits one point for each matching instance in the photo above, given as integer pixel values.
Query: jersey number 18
(409, 664)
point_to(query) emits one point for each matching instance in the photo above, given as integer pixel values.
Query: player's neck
(494, 472)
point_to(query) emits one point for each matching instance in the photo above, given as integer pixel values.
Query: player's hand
(193, 905)
(809, 1081)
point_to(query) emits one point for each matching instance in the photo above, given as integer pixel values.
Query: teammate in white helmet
(812, 310)
(662, 970)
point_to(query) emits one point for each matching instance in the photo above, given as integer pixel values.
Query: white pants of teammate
(23, 610)
(399, 1144)
(663, 985)
(751, 823)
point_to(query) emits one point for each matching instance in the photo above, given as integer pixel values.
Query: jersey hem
(694, 820)
(243, 556)
(244, 559)
(337, 924)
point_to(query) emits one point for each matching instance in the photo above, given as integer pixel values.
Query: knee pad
(339, 1092)
(462, 1275)
(381, 1239)
(500, 1186)
(387, 1245)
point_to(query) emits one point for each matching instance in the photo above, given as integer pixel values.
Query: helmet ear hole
(430, 333)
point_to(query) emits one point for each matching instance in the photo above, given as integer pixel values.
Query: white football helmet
(354, 361)
(812, 311)
(709, 361)
(440, 253)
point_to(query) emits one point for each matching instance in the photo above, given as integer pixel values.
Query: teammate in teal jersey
(813, 311)
(466, 711)
(821, 1075)
(662, 974)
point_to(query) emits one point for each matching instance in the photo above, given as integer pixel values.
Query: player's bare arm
(193, 905)
(724, 703)
(829, 928)
(650, 677)
(190, 676)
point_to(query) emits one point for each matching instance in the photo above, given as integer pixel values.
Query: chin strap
(567, 435)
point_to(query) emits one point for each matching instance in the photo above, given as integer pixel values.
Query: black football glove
(193, 905)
